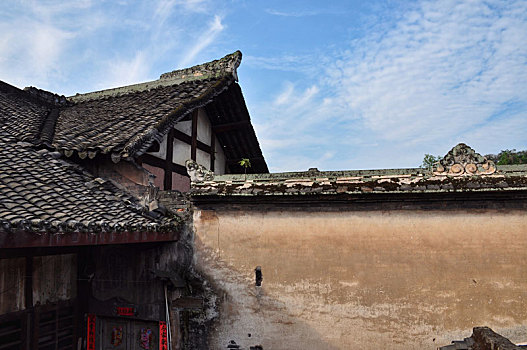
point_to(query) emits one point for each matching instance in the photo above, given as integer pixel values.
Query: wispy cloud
(204, 40)
(396, 83)
(303, 13)
(38, 37)
(165, 8)
(298, 121)
(115, 43)
(445, 72)
(33, 52)
(292, 14)
(126, 71)
(308, 64)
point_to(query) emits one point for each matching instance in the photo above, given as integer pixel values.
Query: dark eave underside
(231, 122)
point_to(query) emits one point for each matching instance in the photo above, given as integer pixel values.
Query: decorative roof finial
(463, 160)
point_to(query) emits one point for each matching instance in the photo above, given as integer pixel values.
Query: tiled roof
(19, 114)
(127, 124)
(125, 121)
(461, 170)
(40, 192)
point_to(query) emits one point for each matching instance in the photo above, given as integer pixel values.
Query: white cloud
(304, 13)
(421, 79)
(308, 64)
(444, 70)
(204, 40)
(442, 74)
(84, 45)
(126, 71)
(165, 8)
(36, 38)
(30, 55)
(292, 14)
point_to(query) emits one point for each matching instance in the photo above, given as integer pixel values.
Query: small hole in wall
(249, 335)
(258, 276)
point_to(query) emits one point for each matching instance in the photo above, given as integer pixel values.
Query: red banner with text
(163, 339)
(90, 344)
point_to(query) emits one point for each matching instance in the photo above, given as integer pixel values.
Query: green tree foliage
(505, 157)
(429, 161)
(510, 156)
(245, 163)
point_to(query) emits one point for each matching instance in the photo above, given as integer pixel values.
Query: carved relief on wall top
(198, 172)
(463, 160)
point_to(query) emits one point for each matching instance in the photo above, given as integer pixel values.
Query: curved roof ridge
(223, 66)
(214, 69)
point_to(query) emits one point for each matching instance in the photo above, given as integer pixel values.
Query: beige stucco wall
(364, 279)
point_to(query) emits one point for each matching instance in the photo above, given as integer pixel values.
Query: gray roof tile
(43, 194)
(122, 121)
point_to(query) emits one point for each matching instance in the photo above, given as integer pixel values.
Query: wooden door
(126, 334)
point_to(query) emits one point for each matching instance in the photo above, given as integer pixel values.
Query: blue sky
(332, 85)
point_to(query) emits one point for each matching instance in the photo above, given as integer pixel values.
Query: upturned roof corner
(218, 68)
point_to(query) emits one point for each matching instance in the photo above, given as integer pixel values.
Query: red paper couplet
(163, 342)
(91, 332)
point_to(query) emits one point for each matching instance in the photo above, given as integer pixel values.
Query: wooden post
(194, 143)
(167, 183)
(212, 149)
(31, 332)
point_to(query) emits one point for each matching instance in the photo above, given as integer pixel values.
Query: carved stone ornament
(198, 172)
(463, 160)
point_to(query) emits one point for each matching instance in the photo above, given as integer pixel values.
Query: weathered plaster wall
(204, 127)
(363, 279)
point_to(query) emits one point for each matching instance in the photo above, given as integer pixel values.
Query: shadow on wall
(249, 318)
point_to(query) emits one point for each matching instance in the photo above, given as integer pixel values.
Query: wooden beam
(180, 169)
(212, 149)
(167, 183)
(28, 282)
(152, 160)
(161, 163)
(30, 240)
(194, 140)
(181, 136)
(230, 126)
(188, 303)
